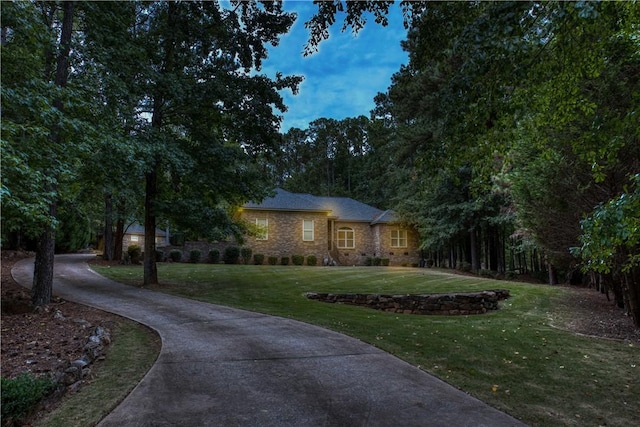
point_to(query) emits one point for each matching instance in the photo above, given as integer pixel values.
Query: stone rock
(463, 303)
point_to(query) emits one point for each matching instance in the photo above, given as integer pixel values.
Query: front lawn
(512, 358)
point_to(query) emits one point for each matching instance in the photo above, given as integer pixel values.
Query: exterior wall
(364, 244)
(397, 255)
(285, 234)
(285, 239)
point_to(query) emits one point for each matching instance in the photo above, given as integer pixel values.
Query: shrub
(258, 259)
(487, 273)
(510, 274)
(273, 260)
(368, 262)
(175, 255)
(135, 254)
(231, 255)
(376, 261)
(284, 260)
(464, 266)
(312, 260)
(297, 259)
(194, 256)
(384, 262)
(21, 394)
(214, 256)
(246, 254)
(160, 256)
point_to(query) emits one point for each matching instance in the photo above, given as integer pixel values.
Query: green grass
(512, 358)
(131, 354)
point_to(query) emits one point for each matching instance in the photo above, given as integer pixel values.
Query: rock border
(451, 304)
(71, 375)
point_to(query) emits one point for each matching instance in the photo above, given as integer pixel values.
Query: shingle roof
(285, 201)
(386, 216)
(343, 208)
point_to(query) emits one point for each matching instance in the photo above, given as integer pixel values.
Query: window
(398, 238)
(346, 238)
(307, 230)
(262, 224)
(134, 238)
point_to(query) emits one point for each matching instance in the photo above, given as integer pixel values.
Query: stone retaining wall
(432, 304)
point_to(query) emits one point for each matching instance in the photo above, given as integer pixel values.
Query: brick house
(337, 229)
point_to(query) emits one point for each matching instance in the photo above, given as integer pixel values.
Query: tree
(209, 116)
(526, 88)
(326, 158)
(610, 244)
(114, 168)
(170, 89)
(38, 136)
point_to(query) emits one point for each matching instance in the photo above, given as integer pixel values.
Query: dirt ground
(41, 341)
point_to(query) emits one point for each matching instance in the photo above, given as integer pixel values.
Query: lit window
(262, 224)
(398, 238)
(307, 230)
(134, 238)
(346, 238)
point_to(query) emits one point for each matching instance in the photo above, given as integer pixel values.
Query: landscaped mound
(452, 304)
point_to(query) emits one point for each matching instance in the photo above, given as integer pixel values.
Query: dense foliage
(510, 137)
(157, 108)
(20, 396)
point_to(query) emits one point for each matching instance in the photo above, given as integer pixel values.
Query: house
(338, 229)
(134, 235)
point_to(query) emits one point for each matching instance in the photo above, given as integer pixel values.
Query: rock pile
(432, 304)
(72, 375)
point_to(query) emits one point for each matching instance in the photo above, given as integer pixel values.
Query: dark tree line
(510, 140)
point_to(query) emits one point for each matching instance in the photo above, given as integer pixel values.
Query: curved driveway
(227, 367)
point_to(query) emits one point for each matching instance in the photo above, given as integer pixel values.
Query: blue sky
(342, 78)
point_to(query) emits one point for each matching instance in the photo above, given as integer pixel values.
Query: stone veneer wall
(434, 304)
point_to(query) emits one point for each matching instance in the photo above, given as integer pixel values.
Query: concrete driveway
(227, 367)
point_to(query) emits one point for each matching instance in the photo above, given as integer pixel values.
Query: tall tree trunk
(107, 253)
(553, 279)
(42, 288)
(473, 243)
(117, 239)
(633, 292)
(150, 268)
(119, 236)
(493, 248)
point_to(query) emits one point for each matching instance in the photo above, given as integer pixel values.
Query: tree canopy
(509, 137)
(163, 100)
(512, 128)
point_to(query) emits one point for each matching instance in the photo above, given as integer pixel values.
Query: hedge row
(234, 254)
